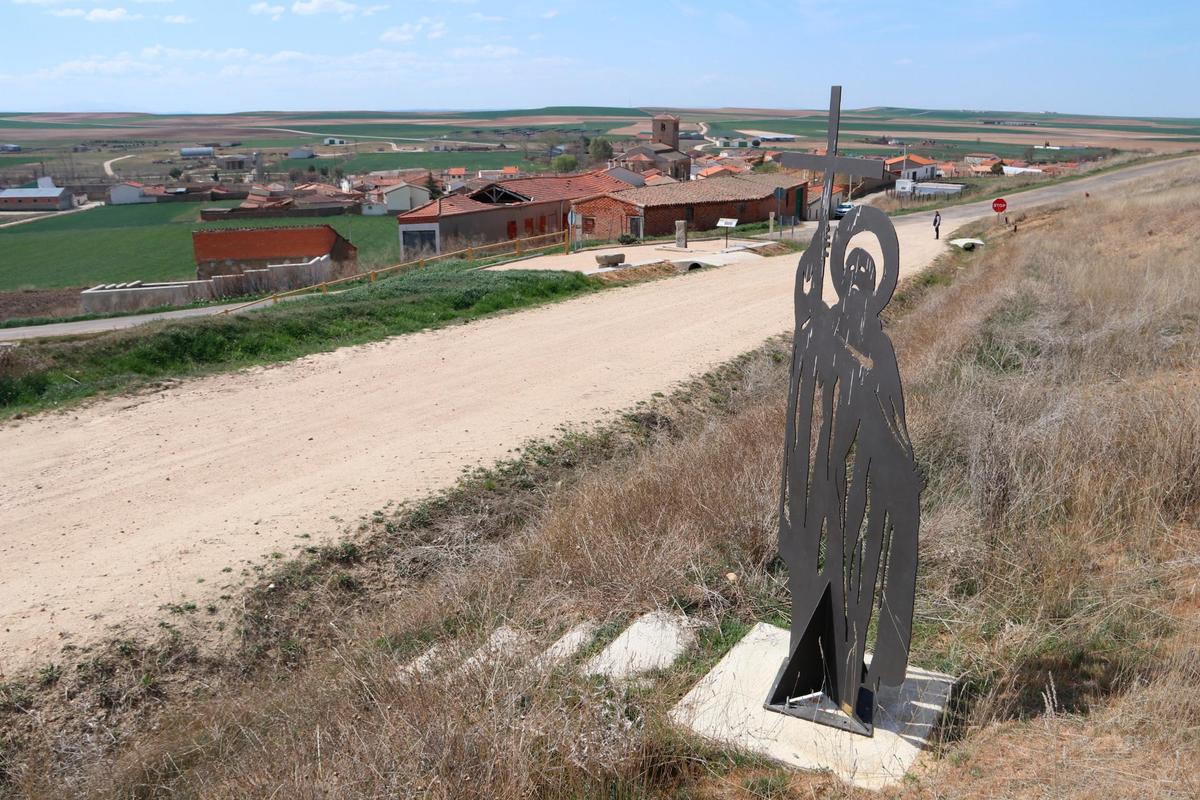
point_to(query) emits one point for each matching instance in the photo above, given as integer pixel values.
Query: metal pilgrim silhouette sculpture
(849, 503)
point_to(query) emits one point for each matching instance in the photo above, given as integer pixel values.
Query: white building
(911, 167)
(394, 199)
(333, 140)
(129, 193)
(301, 152)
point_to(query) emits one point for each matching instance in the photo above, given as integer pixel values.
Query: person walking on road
(937, 225)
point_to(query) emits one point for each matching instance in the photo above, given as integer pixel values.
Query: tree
(600, 150)
(176, 172)
(565, 163)
(431, 185)
(998, 168)
(766, 166)
(549, 140)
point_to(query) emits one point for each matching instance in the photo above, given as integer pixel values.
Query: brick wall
(605, 217)
(609, 216)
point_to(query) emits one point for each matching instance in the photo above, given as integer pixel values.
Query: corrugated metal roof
(46, 194)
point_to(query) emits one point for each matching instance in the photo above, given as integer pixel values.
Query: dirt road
(110, 511)
(108, 165)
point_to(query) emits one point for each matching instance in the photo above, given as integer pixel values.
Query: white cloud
(95, 15)
(550, 14)
(307, 7)
(369, 10)
(110, 15)
(178, 19)
(274, 12)
(429, 28)
(489, 51)
(479, 17)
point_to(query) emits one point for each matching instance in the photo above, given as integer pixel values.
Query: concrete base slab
(567, 646)
(652, 642)
(430, 662)
(726, 707)
(504, 642)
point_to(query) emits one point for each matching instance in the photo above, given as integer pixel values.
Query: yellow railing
(520, 247)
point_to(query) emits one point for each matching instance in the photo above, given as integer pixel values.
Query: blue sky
(1100, 57)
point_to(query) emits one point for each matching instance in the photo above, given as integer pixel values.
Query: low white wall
(117, 297)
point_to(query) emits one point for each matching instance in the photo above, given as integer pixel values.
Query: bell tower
(666, 130)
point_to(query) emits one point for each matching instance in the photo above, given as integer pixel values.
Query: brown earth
(39, 303)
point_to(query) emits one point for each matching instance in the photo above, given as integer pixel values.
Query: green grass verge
(42, 375)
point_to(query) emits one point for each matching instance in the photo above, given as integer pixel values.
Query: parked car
(842, 209)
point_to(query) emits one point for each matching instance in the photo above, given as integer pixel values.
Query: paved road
(90, 326)
(112, 509)
(48, 215)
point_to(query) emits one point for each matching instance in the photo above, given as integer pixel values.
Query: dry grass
(1052, 401)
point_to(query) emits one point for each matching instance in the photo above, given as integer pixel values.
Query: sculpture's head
(856, 277)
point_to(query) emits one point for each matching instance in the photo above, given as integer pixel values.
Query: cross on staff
(831, 163)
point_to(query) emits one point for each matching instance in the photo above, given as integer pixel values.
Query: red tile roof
(565, 187)
(723, 188)
(913, 158)
(245, 244)
(537, 189)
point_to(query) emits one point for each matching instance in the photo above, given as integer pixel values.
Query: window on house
(689, 213)
(529, 227)
(512, 229)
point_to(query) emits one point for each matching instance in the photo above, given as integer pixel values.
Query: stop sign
(999, 204)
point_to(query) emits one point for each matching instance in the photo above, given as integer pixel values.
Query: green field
(398, 130)
(27, 124)
(370, 162)
(548, 111)
(149, 243)
(16, 161)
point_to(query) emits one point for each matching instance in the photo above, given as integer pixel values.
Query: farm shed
(234, 250)
(44, 197)
(653, 210)
(500, 211)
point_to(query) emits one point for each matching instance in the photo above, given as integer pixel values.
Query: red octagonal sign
(999, 204)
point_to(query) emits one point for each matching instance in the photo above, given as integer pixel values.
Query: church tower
(666, 130)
